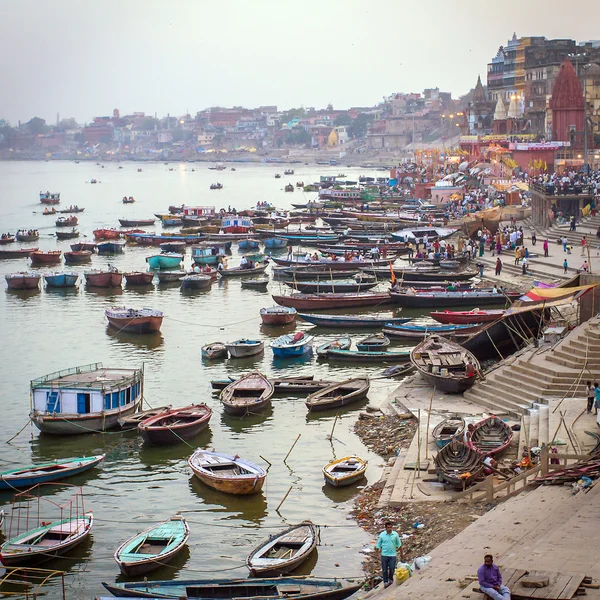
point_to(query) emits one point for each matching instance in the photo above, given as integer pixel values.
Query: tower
(567, 106)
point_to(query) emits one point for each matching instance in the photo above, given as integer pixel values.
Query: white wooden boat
(243, 348)
(345, 471)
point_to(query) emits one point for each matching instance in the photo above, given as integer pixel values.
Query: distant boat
(170, 276)
(260, 283)
(278, 315)
(339, 394)
(196, 281)
(214, 351)
(45, 258)
(175, 425)
(79, 257)
(167, 260)
(243, 348)
(229, 474)
(23, 281)
(239, 272)
(61, 280)
(19, 253)
(249, 394)
(292, 345)
(275, 242)
(67, 235)
(22, 236)
(325, 301)
(344, 471)
(79, 246)
(136, 222)
(152, 548)
(111, 247)
(138, 278)
(67, 221)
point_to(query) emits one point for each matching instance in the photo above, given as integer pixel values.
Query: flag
(393, 274)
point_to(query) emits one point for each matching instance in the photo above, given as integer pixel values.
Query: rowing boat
(457, 464)
(345, 471)
(357, 356)
(351, 321)
(341, 343)
(214, 351)
(491, 436)
(373, 343)
(448, 429)
(325, 301)
(339, 394)
(420, 332)
(467, 316)
(175, 425)
(248, 394)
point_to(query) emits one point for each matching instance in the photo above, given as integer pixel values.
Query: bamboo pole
(419, 445)
(332, 429)
(428, 419)
(290, 450)
(261, 456)
(284, 498)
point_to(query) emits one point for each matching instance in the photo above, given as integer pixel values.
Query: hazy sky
(85, 57)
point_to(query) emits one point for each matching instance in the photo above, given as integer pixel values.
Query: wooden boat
(170, 276)
(375, 342)
(177, 247)
(260, 283)
(131, 199)
(239, 272)
(66, 221)
(448, 429)
(132, 320)
(243, 348)
(77, 258)
(339, 394)
(341, 343)
(45, 258)
(422, 299)
(103, 279)
(229, 474)
(138, 278)
(167, 260)
(23, 281)
(421, 274)
(334, 265)
(152, 548)
(275, 242)
(27, 237)
(78, 247)
(345, 471)
(457, 464)
(51, 471)
(248, 244)
(9, 239)
(288, 345)
(110, 247)
(420, 332)
(304, 384)
(443, 364)
(466, 317)
(283, 552)
(107, 234)
(51, 211)
(175, 424)
(49, 198)
(351, 321)
(250, 393)
(67, 235)
(71, 210)
(491, 436)
(214, 351)
(136, 222)
(278, 315)
(313, 274)
(328, 287)
(196, 281)
(324, 301)
(61, 280)
(357, 356)
(132, 421)
(20, 253)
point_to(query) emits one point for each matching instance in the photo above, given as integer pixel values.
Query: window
(84, 404)
(107, 402)
(128, 395)
(122, 396)
(115, 400)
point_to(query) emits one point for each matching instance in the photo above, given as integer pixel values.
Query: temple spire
(500, 112)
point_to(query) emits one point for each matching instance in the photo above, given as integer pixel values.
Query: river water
(49, 330)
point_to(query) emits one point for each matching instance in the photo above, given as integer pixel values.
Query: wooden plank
(572, 586)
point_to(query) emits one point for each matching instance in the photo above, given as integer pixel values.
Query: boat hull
(243, 351)
(279, 318)
(23, 283)
(21, 253)
(237, 487)
(448, 317)
(325, 301)
(164, 262)
(136, 324)
(348, 322)
(443, 300)
(168, 437)
(104, 280)
(43, 258)
(78, 257)
(62, 280)
(292, 351)
(138, 278)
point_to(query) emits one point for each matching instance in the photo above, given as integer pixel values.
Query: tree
(358, 128)
(343, 120)
(218, 140)
(293, 113)
(65, 124)
(148, 124)
(330, 107)
(36, 126)
(298, 136)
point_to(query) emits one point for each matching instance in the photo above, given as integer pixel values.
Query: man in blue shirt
(490, 580)
(389, 543)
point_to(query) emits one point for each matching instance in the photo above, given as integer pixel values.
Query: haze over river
(45, 331)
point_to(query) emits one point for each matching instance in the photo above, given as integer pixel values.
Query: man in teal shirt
(389, 543)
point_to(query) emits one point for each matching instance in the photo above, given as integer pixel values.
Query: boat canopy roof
(93, 377)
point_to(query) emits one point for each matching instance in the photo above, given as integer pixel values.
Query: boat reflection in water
(274, 331)
(339, 495)
(65, 292)
(344, 410)
(23, 294)
(228, 507)
(249, 421)
(148, 341)
(103, 291)
(172, 455)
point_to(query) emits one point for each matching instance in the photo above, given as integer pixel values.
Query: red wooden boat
(107, 234)
(144, 320)
(466, 317)
(138, 278)
(20, 253)
(79, 257)
(323, 301)
(83, 246)
(175, 425)
(23, 281)
(103, 279)
(491, 436)
(278, 315)
(45, 258)
(67, 221)
(9, 239)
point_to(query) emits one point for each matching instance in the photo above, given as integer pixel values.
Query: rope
(211, 326)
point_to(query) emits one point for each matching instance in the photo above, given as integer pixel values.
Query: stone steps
(488, 395)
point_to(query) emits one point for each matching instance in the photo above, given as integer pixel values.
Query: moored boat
(292, 344)
(243, 348)
(105, 279)
(248, 244)
(445, 365)
(278, 315)
(196, 281)
(341, 343)
(45, 258)
(491, 436)
(457, 464)
(138, 278)
(132, 421)
(260, 283)
(67, 235)
(19, 253)
(284, 551)
(136, 222)
(325, 301)
(61, 280)
(249, 394)
(170, 276)
(79, 246)
(166, 260)
(110, 247)
(132, 320)
(345, 471)
(331, 287)
(225, 473)
(339, 394)
(424, 299)
(78, 257)
(275, 242)
(467, 317)
(373, 356)
(373, 343)
(214, 351)
(411, 332)
(175, 424)
(152, 548)
(49, 198)
(23, 281)
(7, 238)
(448, 429)
(243, 272)
(67, 221)
(107, 234)
(351, 321)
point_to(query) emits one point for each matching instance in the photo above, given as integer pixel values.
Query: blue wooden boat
(450, 428)
(153, 547)
(373, 343)
(51, 471)
(341, 343)
(357, 356)
(292, 588)
(351, 321)
(61, 280)
(275, 242)
(171, 222)
(420, 332)
(309, 239)
(110, 247)
(248, 244)
(167, 260)
(292, 345)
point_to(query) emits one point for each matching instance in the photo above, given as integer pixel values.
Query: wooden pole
(334, 422)
(270, 465)
(427, 429)
(290, 451)
(419, 444)
(284, 498)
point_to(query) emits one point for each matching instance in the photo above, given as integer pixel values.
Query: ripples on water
(44, 331)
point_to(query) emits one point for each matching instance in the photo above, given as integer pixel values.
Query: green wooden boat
(153, 547)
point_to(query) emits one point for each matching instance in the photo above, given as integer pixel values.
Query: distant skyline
(83, 59)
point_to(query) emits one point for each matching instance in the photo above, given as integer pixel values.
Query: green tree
(293, 113)
(358, 127)
(343, 120)
(218, 140)
(36, 126)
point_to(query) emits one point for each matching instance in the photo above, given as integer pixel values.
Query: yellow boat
(344, 471)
